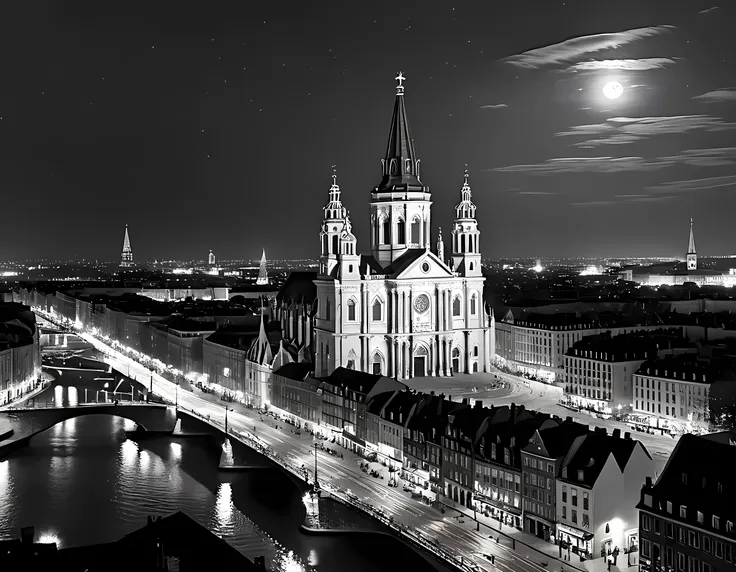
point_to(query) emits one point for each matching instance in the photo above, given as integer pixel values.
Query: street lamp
(316, 483)
(177, 396)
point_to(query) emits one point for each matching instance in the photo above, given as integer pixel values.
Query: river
(82, 482)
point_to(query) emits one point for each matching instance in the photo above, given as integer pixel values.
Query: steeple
(260, 350)
(126, 257)
(465, 234)
(400, 166)
(692, 256)
(336, 227)
(400, 204)
(262, 279)
(211, 260)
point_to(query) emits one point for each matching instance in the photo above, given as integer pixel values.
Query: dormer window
(716, 522)
(669, 507)
(684, 478)
(683, 511)
(581, 475)
(700, 517)
(729, 526)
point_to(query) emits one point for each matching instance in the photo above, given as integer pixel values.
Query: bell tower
(400, 204)
(692, 256)
(465, 235)
(333, 225)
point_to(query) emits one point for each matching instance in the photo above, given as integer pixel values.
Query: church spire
(262, 279)
(692, 256)
(440, 246)
(126, 257)
(400, 166)
(465, 234)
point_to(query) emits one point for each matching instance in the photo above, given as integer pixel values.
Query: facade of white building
(402, 310)
(597, 494)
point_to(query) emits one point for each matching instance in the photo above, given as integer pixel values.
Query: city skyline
(576, 121)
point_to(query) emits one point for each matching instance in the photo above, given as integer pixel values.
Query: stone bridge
(25, 423)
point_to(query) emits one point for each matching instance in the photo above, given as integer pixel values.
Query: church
(403, 310)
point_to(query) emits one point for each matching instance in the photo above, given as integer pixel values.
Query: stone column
(411, 356)
(431, 364)
(395, 362)
(468, 351)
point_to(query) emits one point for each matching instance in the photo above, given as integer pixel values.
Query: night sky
(215, 125)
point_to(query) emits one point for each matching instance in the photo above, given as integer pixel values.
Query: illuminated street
(458, 534)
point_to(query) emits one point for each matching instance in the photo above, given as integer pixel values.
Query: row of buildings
(20, 354)
(554, 478)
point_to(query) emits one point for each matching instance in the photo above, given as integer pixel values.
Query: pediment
(426, 266)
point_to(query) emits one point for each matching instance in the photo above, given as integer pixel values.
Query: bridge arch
(25, 423)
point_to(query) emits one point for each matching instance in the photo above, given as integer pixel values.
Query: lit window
(351, 310)
(377, 311)
(226, 372)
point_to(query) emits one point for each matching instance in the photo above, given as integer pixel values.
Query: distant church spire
(692, 256)
(126, 257)
(262, 272)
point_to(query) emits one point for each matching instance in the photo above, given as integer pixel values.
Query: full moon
(613, 90)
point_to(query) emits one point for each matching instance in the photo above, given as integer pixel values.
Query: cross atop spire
(466, 208)
(334, 175)
(400, 88)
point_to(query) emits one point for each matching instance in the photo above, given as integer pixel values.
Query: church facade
(403, 310)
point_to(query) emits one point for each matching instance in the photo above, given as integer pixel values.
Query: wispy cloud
(716, 157)
(633, 199)
(575, 48)
(623, 130)
(643, 64)
(721, 95)
(494, 106)
(708, 10)
(688, 185)
(630, 196)
(535, 193)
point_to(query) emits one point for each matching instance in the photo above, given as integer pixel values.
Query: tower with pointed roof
(400, 310)
(465, 235)
(400, 203)
(262, 279)
(211, 260)
(440, 245)
(126, 257)
(692, 256)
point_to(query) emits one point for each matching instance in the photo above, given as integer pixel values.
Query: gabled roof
(353, 379)
(296, 371)
(555, 442)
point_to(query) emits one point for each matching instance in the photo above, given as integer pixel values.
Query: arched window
(327, 309)
(415, 230)
(471, 267)
(324, 245)
(351, 308)
(377, 310)
(377, 364)
(401, 232)
(473, 301)
(475, 351)
(334, 245)
(386, 230)
(462, 243)
(456, 306)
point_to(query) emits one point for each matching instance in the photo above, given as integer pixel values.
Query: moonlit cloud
(494, 106)
(622, 130)
(717, 157)
(721, 95)
(633, 199)
(575, 48)
(688, 185)
(535, 193)
(643, 64)
(708, 10)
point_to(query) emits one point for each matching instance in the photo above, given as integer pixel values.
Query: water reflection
(73, 396)
(128, 453)
(176, 451)
(58, 396)
(224, 508)
(290, 563)
(6, 485)
(227, 453)
(145, 462)
(313, 560)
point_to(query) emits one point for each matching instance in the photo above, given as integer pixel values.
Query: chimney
(432, 392)
(616, 433)
(479, 404)
(27, 534)
(627, 435)
(648, 482)
(465, 401)
(568, 419)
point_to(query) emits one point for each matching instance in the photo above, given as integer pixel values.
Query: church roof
(299, 287)
(400, 148)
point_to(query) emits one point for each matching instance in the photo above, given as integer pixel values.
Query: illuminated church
(403, 310)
